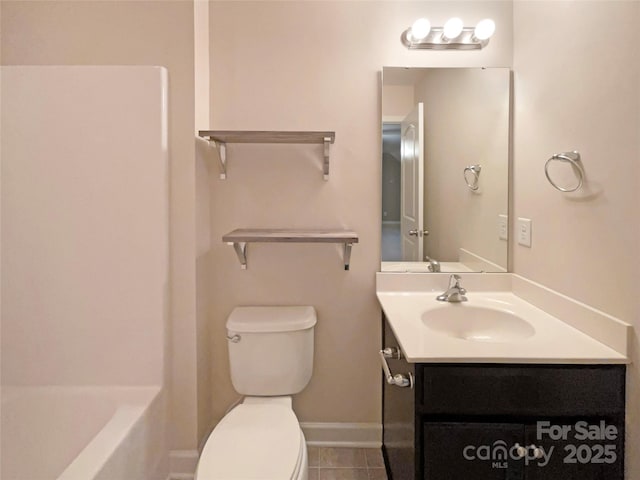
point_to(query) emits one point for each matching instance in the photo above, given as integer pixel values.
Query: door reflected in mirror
(445, 169)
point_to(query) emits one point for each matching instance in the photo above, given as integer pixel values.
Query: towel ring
(475, 171)
(574, 159)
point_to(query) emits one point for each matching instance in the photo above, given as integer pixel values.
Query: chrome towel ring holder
(572, 158)
(472, 182)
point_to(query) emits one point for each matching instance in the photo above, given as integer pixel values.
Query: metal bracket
(325, 165)
(347, 255)
(392, 352)
(221, 147)
(399, 379)
(241, 252)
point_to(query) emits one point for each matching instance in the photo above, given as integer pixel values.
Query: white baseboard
(356, 435)
(182, 464)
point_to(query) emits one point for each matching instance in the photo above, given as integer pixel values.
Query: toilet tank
(270, 349)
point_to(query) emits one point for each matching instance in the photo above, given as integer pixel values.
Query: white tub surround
(85, 217)
(85, 272)
(566, 331)
(82, 433)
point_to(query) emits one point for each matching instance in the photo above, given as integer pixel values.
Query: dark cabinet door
(478, 451)
(568, 455)
(398, 419)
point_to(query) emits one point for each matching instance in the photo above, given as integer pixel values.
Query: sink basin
(479, 324)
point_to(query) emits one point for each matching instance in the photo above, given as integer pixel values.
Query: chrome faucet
(455, 293)
(434, 265)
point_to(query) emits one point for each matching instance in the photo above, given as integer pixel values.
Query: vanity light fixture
(453, 36)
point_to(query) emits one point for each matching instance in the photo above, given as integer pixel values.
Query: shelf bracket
(347, 255)
(241, 252)
(221, 147)
(325, 165)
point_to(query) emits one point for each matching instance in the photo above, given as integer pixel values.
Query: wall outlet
(524, 232)
(503, 229)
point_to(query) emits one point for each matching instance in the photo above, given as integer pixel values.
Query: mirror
(445, 169)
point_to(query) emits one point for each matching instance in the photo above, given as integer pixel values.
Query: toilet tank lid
(271, 319)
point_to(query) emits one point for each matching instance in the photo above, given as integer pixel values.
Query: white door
(412, 179)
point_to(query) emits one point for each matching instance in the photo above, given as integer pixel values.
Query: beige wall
(397, 101)
(575, 91)
(134, 33)
(466, 122)
(314, 66)
(203, 219)
(204, 295)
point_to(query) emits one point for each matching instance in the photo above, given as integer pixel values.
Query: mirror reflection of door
(412, 181)
(391, 193)
(402, 195)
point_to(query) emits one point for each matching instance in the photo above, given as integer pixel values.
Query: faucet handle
(454, 281)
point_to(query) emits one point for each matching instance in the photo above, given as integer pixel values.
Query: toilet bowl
(259, 439)
(271, 357)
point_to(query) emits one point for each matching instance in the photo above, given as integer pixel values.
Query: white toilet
(271, 357)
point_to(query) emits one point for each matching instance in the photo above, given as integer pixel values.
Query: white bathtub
(82, 433)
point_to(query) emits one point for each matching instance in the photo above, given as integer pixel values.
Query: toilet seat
(259, 441)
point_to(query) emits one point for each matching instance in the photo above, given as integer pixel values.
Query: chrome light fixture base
(436, 40)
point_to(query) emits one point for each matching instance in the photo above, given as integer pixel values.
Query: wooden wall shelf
(241, 237)
(220, 138)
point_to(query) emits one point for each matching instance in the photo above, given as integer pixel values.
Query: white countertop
(554, 341)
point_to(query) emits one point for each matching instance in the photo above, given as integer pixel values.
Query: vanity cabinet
(504, 421)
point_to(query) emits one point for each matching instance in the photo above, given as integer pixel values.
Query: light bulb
(484, 29)
(452, 29)
(420, 29)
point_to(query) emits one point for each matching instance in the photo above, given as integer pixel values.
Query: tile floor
(346, 464)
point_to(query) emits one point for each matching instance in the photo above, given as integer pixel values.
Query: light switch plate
(524, 232)
(503, 229)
